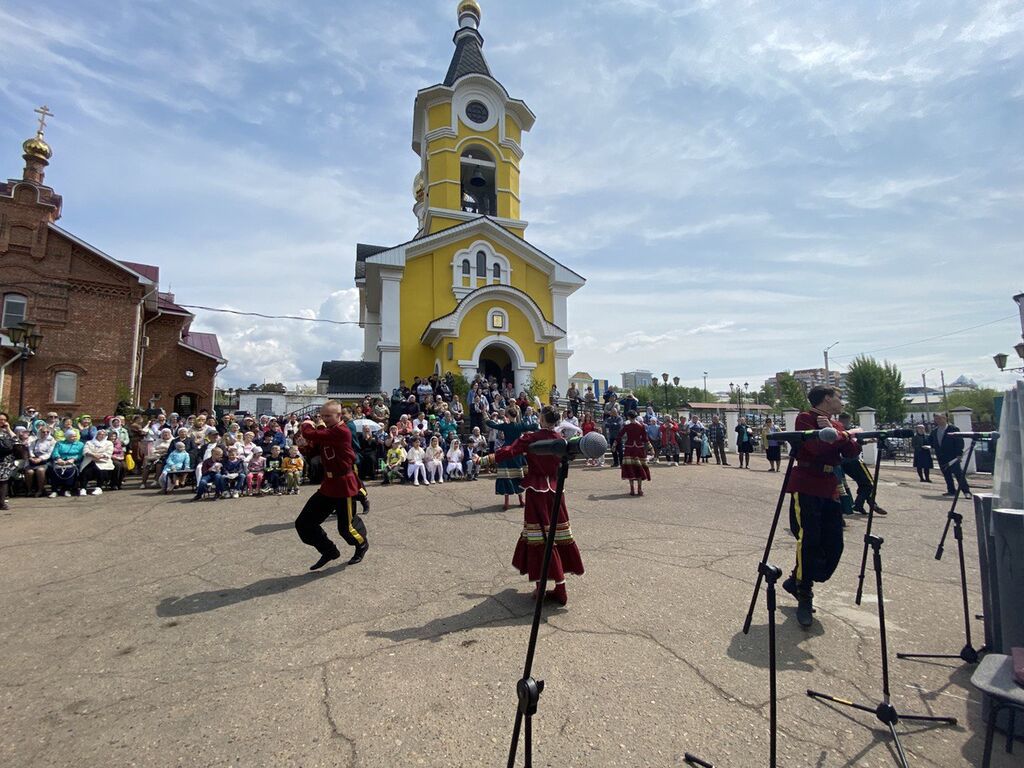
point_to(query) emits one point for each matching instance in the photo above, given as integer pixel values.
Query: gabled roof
(204, 344)
(468, 58)
(146, 270)
(510, 240)
(97, 252)
(165, 303)
(350, 377)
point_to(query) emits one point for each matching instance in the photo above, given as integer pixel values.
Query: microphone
(974, 435)
(826, 435)
(590, 446)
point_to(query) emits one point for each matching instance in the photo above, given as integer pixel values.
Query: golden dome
(472, 6)
(418, 186)
(37, 148)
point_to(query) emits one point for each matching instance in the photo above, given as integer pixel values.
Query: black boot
(325, 559)
(360, 553)
(805, 610)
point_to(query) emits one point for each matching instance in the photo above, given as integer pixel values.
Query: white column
(962, 421)
(789, 416)
(389, 345)
(560, 317)
(866, 416)
(732, 420)
(371, 335)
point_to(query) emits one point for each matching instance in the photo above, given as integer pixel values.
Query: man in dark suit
(948, 450)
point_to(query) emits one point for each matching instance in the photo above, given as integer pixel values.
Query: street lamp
(746, 390)
(705, 386)
(1001, 359)
(664, 378)
(25, 339)
(827, 382)
(924, 384)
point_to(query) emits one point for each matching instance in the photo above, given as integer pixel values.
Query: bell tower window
(479, 191)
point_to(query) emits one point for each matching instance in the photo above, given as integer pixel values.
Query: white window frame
(56, 387)
(7, 300)
(491, 325)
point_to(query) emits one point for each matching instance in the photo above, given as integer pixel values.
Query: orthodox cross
(43, 112)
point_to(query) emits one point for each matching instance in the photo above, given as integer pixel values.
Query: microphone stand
(793, 448)
(771, 574)
(529, 690)
(968, 653)
(884, 711)
(871, 519)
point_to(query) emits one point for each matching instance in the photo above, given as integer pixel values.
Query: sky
(742, 183)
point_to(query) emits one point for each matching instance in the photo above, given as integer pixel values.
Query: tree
(791, 392)
(677, 397)
(768, 395)
(876, 385)
(980, 401)
(538, 388)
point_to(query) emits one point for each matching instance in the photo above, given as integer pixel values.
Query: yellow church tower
(468, 293)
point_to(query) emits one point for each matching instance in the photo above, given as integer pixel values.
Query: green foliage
(791, 393)
(876, 385)
(540, 389)
(981, 401)
(123, 393)
(460, 386)
(768, 395)
(677, 397)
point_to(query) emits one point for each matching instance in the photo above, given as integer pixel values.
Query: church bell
(478, 179)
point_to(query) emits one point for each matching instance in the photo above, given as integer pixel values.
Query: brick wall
(165, 365)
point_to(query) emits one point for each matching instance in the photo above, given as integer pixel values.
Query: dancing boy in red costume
(338, 489)
(539, 484)
(815, 515)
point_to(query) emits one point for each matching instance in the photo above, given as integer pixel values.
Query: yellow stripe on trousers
(350, 503)
(799, 539)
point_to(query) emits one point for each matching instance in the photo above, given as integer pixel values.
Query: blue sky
(742, 183)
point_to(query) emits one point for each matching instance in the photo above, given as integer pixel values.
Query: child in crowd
(435, 461)
(177, 461)
(275, 468)
(454, 468)
(254, 471)
(292, 465)
(235, 473)
(393, 463)
(211, 474)
(415, 458)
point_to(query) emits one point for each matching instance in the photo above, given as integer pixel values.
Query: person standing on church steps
(337, 492)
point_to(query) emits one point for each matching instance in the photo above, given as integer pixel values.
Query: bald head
(330, 412)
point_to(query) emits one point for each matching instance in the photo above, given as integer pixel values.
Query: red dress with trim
(634, 451)
(539, 483)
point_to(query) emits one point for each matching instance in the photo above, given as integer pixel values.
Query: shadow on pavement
(260, 530)
(491, 611)
(201, 602)
(752, 649)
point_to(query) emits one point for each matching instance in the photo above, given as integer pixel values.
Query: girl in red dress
(633, 438)
(539, 483)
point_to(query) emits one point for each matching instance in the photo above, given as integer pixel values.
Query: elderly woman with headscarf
(116, 430)
(64, 465)
(39, 451)
(158, 453)
(97, 462)
(117, 459)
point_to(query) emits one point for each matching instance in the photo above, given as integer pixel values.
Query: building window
(189, 374)
(465, 267)
(481, 264)
(496, 272)
(497, 320)
(14, 310)
(65, 387)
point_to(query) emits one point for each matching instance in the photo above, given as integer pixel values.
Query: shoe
(789, 585)
(324, 560)
(859, 510)
(4, 506)
(418, 482)
(559, 594)
(428, 482)
(53, 494)
(805, 611)
(81, 491)
(947, 493)
(97, 492)
(880, 511)
(632, 492)
(360, 553)
(967, 495)
(197, 497)
(366, 507)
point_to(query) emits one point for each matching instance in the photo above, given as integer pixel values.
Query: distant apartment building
(634, 379)
(812, 377)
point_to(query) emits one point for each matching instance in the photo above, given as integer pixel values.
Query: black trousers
(955, 470)
(857, 471)
(817, 524)
(718, 448)
(309, 523)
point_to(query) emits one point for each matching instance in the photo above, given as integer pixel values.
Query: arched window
(481, 264)
(14, 309)
(496, 272)
(465, 267)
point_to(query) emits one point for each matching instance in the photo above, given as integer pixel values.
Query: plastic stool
(994, 677)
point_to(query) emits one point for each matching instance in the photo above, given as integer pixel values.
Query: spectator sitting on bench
(176, 467)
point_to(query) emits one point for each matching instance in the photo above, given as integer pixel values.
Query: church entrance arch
(496, 361)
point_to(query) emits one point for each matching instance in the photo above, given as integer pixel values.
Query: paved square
(142, 630)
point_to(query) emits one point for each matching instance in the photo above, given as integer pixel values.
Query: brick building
(106, 328)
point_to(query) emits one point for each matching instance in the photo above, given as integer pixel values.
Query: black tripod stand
(968, 653)
(884, 711)
(871, 520)
(761, 567)
(529, 690)
(771, 574)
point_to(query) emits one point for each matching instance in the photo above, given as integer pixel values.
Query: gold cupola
(37, 152)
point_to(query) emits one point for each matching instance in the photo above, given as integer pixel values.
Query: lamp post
(705, 386)
(1001, 358)
(746, 391)
(25, 339)
(828, 383)
(924, 384)
(664, 378)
